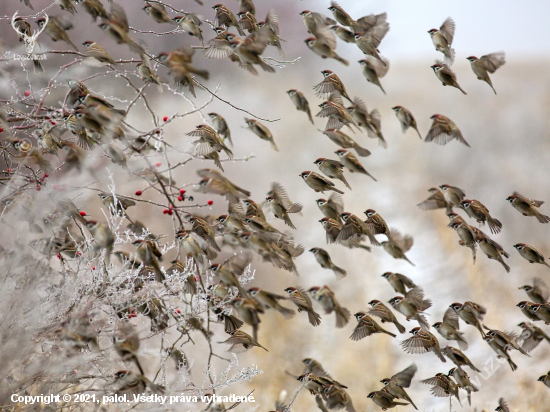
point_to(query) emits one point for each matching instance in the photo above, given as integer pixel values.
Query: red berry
(58, 256)
(138, 192)
(182, 191)
(93, 267)
(1, 130)
(158, 164)
(9, 170)
(180, 198)
(165, 118)
(210, 203)
(196, 278)
(52, 122)
(170, 213)
(165, 211)
(38, 188)
(82, 213)
(46, 175)
(27, 93)
(171, 206)
(178, 311)
(78, 253)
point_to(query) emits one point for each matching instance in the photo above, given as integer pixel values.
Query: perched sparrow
(471, 313)
(458, 358)
(323, 258)
(352, 163)
(94, 8)
(103, 237)
(190, 24)
(333, 207)
(332, 169)
(545, 379)
(238, 337)
(443, 130)
(436, 200)
(270, 300)
(133, 383)
(261, 131)
(192, 246)
(443, 38)
(332, 228)
(221, 126)
(302, 301)
(530, 254)
(345, 142)
(374, 70)
(353, 226)
(539, 292)
(325, 296)
(527, 309)
(399, 282)
(157, 12)
(487, 64)
(367, 326)
(318, 182)
(179, 63)
(121, 205)
(422, 341)
(385, 400)
(453, 195)
(126, 342)
(331, 84)
(500, 350)
(412, 305)
(300, 102)
(463, 381)
(531, 336)
(224, 17)
(55, 28)
(95, 51)
(398, 245)
(324, 46)
(502, 406)
(446, 75)
(449, 328)
(476, 210)
(406, 119)
(493, 250)
(149, 253)
(443, 386)
(370, 121)
(385, 314)
(527, 207)
(401, 380)
(280, 212)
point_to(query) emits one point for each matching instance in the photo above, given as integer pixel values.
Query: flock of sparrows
(246, 228)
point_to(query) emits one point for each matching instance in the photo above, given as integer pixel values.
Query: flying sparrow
(331, 84)
(338, 115)
(368, 42)
(502, 406)
(449, 328)
(500, 350)
(250, 49)
(492, 249)
(422, 341)
(443, 386)
(446, 75)
(527, 207)
(471, 313)
(300, 101)
(224, 17)
(345, 142)
(527, 308)
(190, 23)
(352, 163)
(333, 207)
(302, 301)
(476, 210)
(270, 300)
(344, 34)
(95, 51)
(406, 119)
(157, 12)
(412, 305)
(332, 169)
(538, 292)
(126, 342)
(325, 296)
(467, 236)
(399, 282)
(94, 8)
(203, 229)
(179, 64)
(318, 182)
(400, 380)
(238, 337)
(436, 200)
(463, 381)
(545, 379)
(486, 64)
(458, 358)
(530, 254)
(385, 314)
(367, 326)
(332, 229)
(324, 46)
(374, 70)
(55, 27)
(510, 340)
(280, 212)
(353, 226)
(385, 400)
(103, 237)
(452, 194)
(370, 121)
(323, 258)
(531, 336)
(443, 38)
(261, 131)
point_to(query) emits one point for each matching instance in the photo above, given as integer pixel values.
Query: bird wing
(404, 377)
(451, 317)
(491, 62)
(447, 29)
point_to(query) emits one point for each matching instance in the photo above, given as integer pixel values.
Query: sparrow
(149, 253)
(323, 258)
(24, 30)
(324, 46)
(209, 141)
(224, 17)
(337, 398)
(253, 209)
(436, 200)
(530, 254)
(331, 84)
(189, 243)
(117, 27)
(510, 340)
(148, 75)
(449, 328)
(126, 342)
(302, 301)
(476, 210)
(458, 358)
(104, 238)
(332, 229)
(220, 125)
(527, 308)
(385, 314)
(353, 226)
(261, 131)
(352, 163)
(545, 379)
(406, 119)
(394, 385)
(259, 225)
(370, 121)
(280, 212)
(190, 23)
(538, 292)
(376, 223)
(411, 305)
(385, 400)
(486, 64)
(203, 229)
(271, 22)
(471, 313)
(338, 115)
(315, 22)
(133, 383)
(446, 75)
(300, 101)
(398, 244)
(95, 51)
(247, 21)
(527, 207)
(374, 70)
(367, 326)
(270, 300)
(399, 282)
(250, 49)
(248, 310)
(501, 351)
(238, 337)
(157, 12)
(179, 64)
(422, 341)
(325, 296)
(66, 5)
(531, 336)
(344, 34)
(542, 311)
(318, 182)
(345, 142)
(463, 381)
(502, 406)
(332, 169)
(315, 383)
(443, 38)
(121, 205)
(94, 8)
(369, 42)
(178, 269)
(493, 250)
(331, 208)
(443, 386)
(467, 236)
(452, 195)
(55, 28)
